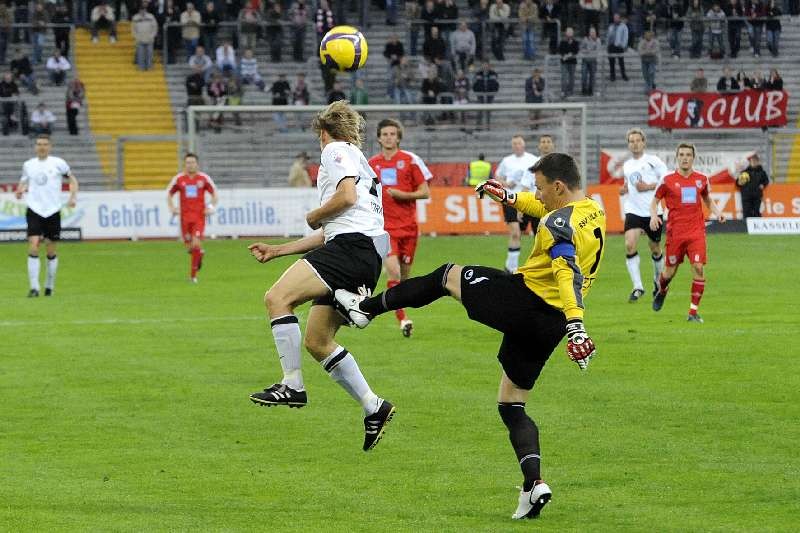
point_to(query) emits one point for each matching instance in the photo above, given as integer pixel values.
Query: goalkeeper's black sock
(414, 292)
(524, 436)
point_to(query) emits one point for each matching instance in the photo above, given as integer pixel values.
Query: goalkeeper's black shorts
(531, 328)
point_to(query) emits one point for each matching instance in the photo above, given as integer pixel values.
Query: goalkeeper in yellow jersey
(533, 308)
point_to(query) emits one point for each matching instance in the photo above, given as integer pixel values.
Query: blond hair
(637, 131)
(341, 122)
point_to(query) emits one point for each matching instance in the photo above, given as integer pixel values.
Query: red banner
(745, 109)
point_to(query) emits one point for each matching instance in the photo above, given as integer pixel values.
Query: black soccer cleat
(48, 291)
(635, 295)
(406, 327)
(280, 394)
(658, 300)
(33, 293)
(694, 318)
(375, 424)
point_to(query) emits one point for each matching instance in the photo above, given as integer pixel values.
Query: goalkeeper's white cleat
(349, 302)
(531, 502)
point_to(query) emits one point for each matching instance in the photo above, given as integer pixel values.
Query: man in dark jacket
(751, 184)
(485, 88)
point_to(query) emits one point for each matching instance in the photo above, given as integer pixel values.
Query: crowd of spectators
(729, 83)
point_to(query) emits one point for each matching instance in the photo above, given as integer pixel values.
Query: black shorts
(347, 261)
(643, 223)
(512, 215)
(47, 227)
(528, 220)
(531, 328)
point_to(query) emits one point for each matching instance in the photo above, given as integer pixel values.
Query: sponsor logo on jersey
(688, 195)
(699, 184)
(559, 222)
(389, 176)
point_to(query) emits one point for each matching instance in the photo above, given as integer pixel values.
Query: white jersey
(426, 173)
(514, 170)
(648, 169)
(339, 160)
(44, 178)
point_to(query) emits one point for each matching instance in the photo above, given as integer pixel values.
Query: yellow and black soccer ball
(343, 48)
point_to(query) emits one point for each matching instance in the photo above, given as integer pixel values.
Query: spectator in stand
(393, 51)
(647, 17)
(449, 11)
(8, 94)
(39, 21)
(234, 93)
(716, 21)
(195, 83)
(359, 94)
(757, 82)
(248, 70)
(173, 17)
(649, 52)
(22, 70)
(528, 14)
(226, 58)
(211, 20)
(298, 15)
(773, 27)
(274, 32)
(403, 82)
(485, 87)
(744, 81)
(727, 83)
(249, 24)
(549, 13)
(429, 91)
(755, 12)
(281, 91)
(144, 28)
(190, 28)
(21, 16)
(434, 47)
(42, 120)
(751, 184)
(590, 48)
(734, 13)
(200, 62)
(323, 20)
(300, 95)
(590, 12)
(699, 83)
(412, 13)
(568, 49)
(461, 87)
(57, 67)
(444, 71)
(298, 172)
(480, 16)
(103, 17)
(391, 12)
(431, 12)
(696, 17)
(462, 46)
(775, 82)
(6, 18)
(674, 11)
(76, 92)
(217, 93)
(617, 43)
(60, 34)
(499, 13)
(336, 93)
(232, 9)
(534, 88)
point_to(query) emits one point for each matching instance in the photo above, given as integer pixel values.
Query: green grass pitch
(123, 403)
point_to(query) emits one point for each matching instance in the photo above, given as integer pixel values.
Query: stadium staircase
(125, 101)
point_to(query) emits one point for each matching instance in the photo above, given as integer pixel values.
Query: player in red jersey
(192, 186)
(683, 191)
(404, 178)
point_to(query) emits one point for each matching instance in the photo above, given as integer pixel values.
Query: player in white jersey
(42, 179)
(346, 253)
(643, 172)
(513, 173)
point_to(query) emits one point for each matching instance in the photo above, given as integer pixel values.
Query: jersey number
(599, 234)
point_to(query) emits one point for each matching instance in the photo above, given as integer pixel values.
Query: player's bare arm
(420, 193)
(343, 199)
(212, 205)
(714, 208)
(73, 190)
(22, 186)
(624, 189)
(641, 186)
(655, 221)
(266, 252)
(171, 204)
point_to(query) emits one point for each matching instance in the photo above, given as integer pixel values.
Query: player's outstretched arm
(580, 347)
(655, 222)
(343, 199)
(22, 186)
(267, 252)
(496, 191)
(714, 208)
(73, 190)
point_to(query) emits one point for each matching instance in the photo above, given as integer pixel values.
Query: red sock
(399, 313)
(663, 283)
(698, 285)
(196, 255)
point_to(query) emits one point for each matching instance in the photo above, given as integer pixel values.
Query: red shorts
(403, 246)
(691, 246)
(193, 226)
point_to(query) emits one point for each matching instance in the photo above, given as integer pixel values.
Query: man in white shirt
(42, 177)
(643, 172)
(42, 120)
(57, 67)
(513, 172)
(226, 58)
(200, 62)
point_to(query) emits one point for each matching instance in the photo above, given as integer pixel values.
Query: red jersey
(684, 199)
(401, 172)
(192, 191)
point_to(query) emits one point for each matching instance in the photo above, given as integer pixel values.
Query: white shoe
(531, 502)
(194, 280)
(349, 301)
(406, 326)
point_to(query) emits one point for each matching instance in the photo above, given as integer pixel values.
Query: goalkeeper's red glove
(580, 347)
(495, 190)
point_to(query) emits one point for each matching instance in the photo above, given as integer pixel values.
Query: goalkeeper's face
(548, 192)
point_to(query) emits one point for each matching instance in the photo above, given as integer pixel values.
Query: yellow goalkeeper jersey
(566, 255)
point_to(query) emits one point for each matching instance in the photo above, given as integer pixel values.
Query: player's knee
(512, 414)
(273, 299)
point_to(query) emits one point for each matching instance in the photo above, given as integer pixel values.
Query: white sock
(512, 260)
(658, 266)
(344, 370)
(632, 263)
(286, 332)
(52, 268)
(33, 271)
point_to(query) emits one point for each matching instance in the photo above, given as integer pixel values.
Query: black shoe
(280, 394)
(635, 295)
(33, 293)
(375, 424)
(694, 318)
(658, 301)
(48, 291)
